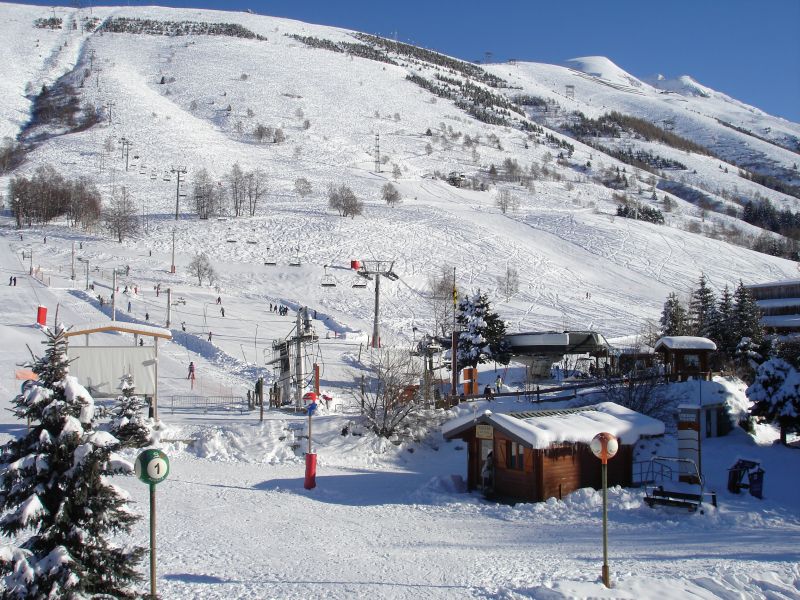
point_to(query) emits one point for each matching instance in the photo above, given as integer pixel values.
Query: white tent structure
(99, 368)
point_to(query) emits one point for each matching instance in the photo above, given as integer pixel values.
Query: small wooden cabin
(686, 356)
(543, 454)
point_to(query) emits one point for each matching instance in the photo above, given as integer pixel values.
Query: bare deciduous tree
(255, 188)
(201, 268)
(506, 201)
(509, 282)
(390, 194)
(390, 394)
(302, 187)
(342, 199)
(237, 186)
(120, 215)
(207, 195)
(440, 294)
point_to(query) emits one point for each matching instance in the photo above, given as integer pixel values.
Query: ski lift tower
(292, 350)
(378, 269)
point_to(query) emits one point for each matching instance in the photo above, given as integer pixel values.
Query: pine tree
(702, 308)
(776, 395)
(746, 316)
(673, 317)
(127, 423)
(55, 496)
(482, 336)
(723, 324)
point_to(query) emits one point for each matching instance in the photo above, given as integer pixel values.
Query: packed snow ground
(390, 521)
(234, 519)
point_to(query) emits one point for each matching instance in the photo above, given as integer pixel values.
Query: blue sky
(747, 49)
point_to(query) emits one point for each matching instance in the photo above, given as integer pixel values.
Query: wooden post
(316, 378)
(155, 391)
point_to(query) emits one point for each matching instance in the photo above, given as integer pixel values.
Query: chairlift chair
(295, 261)
(167, 176)
(327, 279)
(360, 283)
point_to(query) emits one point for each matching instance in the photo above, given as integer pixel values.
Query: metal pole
(153, 594)
(261, 397)
(31, 273)
(454, 351)
(298, 360)
(606, 579)
(155, 391)
(114, 296)
(169, 306)
(73, 261)
(376, 334)
(172, 268)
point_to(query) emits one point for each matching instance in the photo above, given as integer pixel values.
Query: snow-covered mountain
(199, 100)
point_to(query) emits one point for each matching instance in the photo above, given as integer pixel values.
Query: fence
(207, 404)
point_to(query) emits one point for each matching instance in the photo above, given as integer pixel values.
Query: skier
(219, 300)
(183, 326)
(147, 316)
(498, 384)
(487, 393)
(191, 370)
(129, 306)
(209, 335)
(222, 310)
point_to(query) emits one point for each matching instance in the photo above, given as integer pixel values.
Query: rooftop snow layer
(566, 426)
(685, 342)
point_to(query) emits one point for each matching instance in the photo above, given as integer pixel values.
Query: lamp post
(605, 446)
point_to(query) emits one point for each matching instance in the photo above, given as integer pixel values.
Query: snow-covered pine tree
(746, 316)
(723, 324)
(776, 395)
(128, 424)
(56, 498)
(673, 317)
(702, 308)
(482, 336)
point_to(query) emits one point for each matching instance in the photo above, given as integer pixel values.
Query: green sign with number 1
(152, 466)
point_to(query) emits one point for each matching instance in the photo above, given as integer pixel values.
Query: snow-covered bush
(776, 395)
(59, 508)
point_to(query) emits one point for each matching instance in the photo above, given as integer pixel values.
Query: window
(515, 455)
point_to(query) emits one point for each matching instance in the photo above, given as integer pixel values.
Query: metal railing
(205, 404)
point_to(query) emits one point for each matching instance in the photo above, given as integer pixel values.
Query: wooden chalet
(543, 454)
(686, 356)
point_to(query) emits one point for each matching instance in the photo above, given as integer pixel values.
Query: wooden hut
(542, 454)
(686, 356)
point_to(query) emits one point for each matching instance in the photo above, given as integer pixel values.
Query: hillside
(562, 238)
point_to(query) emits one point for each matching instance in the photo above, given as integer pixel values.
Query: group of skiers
(12, 280)
(279, 308)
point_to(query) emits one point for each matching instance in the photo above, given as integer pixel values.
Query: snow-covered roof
(121, 327)
(685, 342)
(541, 429)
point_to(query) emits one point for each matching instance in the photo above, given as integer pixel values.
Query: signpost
(152, 467)
(605, 446)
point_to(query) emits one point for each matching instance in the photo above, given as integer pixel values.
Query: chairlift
(270, 262)
(295, 260)
(167, 176)
(142, 170)
(360, 283)
(327, 279)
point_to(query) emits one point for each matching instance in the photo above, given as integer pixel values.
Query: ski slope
(386, 521)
